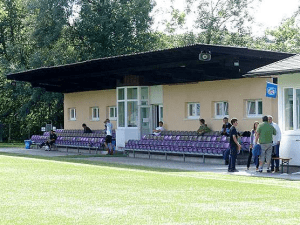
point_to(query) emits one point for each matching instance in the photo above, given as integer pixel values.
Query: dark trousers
(276, 151)
(232, 158)
(226, 156)
(256, 160)
(249, 158)
(49, 143)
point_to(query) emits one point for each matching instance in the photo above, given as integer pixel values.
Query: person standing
(276, 144)
(252, 144)
(265, 132)
(108, 138)
(235, 147)
(226, 127)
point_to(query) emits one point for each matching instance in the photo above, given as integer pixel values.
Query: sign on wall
(271, 90)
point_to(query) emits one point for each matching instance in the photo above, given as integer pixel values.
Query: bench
(284, 162)
(166, 153)
(55, 147)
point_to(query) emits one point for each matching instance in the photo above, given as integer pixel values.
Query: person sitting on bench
(51, 141)
(86, 129)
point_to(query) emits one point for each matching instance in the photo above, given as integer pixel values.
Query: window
(72, 114)
(95, 113)
(129, 100)
(113, 113)
(221, 109)
(161, 113)
(121, 114)
(254, 108)
(132, 114)
(288, 108)
(193, 110)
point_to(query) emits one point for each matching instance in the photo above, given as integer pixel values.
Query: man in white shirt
(159, 129)
(276, 144)
(108, 138)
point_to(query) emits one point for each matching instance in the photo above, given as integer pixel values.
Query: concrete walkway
(154, 163)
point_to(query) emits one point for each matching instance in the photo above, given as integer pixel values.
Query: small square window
(193, 110)
(221, 109)
(254, 108)
(113, 113)
(72, 114)
(95, 113)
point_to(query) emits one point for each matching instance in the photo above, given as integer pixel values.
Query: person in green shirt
(203, 128)
(264, 137)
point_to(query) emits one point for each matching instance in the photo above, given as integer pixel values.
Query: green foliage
(285, 38)
(216, 17)
(43, 33)
(115, 27)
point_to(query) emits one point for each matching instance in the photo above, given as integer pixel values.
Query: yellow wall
(82, 101)
(235, 92)
(175, 99)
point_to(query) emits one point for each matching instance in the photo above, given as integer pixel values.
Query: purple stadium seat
(223, 138)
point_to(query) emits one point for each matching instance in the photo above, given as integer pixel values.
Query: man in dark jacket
(86, 129)
(51, 141)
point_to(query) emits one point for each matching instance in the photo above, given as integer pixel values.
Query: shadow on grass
(81, 159)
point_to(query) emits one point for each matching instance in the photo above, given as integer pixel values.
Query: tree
(285, 38)
(216, 17)
(115, 27)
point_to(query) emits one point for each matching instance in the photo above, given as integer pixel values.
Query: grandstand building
(177, 86)
(288, 73)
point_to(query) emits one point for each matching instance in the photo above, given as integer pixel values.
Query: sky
(268, 14)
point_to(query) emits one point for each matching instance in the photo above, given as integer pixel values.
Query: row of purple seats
(38, 139)
(167, 143)
(74, 141)
(79, 133)
(207, 148)
(188, 133)
(91, 142)
(178, 140)
(186, 138)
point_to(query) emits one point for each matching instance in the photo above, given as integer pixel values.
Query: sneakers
(269, 171)
(232, 171)
(259, 170)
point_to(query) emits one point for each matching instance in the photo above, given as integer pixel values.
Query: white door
(145, 120)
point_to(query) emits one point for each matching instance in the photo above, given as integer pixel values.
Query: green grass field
(12, 145)
(72, 191)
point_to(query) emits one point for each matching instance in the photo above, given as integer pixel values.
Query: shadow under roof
(170, 66)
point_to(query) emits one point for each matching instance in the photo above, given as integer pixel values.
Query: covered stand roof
(177, 65)
(285, 66)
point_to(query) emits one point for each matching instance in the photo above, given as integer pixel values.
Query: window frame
(115, 112)
(194, 105)
(98, 113)
(256, 101)
(71, 118)
(223, 109)
(122, 115)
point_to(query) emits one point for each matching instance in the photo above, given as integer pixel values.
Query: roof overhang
(289, 65)
(177, 65)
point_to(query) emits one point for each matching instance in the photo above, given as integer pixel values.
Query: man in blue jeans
(235, 147)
